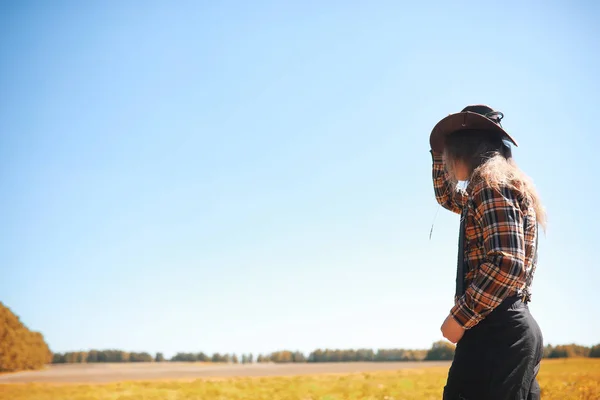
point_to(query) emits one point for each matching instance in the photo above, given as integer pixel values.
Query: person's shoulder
(482, 192)
(480, 188)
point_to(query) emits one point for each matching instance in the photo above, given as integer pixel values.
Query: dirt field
(105, 373)
(560, 379)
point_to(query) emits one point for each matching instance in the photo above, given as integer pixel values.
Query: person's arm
(502, 271)
(446, 192)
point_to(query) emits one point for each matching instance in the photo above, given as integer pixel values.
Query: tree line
(571, 350)
(20, 348)
(119, 356)
(441, 350)
(103, 356)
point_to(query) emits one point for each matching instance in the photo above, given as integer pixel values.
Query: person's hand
(452, 330)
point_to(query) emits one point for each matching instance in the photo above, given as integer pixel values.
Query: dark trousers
(499, 358)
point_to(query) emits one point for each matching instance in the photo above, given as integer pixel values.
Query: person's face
(461, 171)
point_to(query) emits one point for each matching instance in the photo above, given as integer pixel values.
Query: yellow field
(560, 380)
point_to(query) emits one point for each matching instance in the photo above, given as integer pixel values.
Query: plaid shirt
(498, 253)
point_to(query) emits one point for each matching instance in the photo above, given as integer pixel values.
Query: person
(499, 343)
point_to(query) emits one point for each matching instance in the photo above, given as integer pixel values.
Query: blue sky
(254, 176)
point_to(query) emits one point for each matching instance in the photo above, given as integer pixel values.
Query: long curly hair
(489, 159)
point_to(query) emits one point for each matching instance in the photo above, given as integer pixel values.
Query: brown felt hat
(476, 118)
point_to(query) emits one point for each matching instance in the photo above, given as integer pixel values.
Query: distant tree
(108, 356)
(184, 357)
(365, 355)
(441, 350)
(547, 351)
(416, 355)
(316, 356)
(259, 359)
(250, 358)
(244, 359)
(140, 357)
(20, 348)
(81, 357)
(70, 357)
(234, 359)
(595, 351)
(559, 352)
(92, 356)
(298, 357)
(159, 357)
(386, 355)
(117, 356)
(113, 356)
(281, 357)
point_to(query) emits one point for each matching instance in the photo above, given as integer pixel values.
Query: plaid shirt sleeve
(446, 192)
(502, 273)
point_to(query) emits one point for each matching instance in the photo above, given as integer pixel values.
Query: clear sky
(254, 176)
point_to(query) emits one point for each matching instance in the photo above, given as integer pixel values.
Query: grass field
(560, 379)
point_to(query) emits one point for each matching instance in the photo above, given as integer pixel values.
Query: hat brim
(463, 121)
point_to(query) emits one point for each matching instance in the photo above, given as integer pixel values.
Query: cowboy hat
(475, 117)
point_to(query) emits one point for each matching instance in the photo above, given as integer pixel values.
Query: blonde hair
(489, 159)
